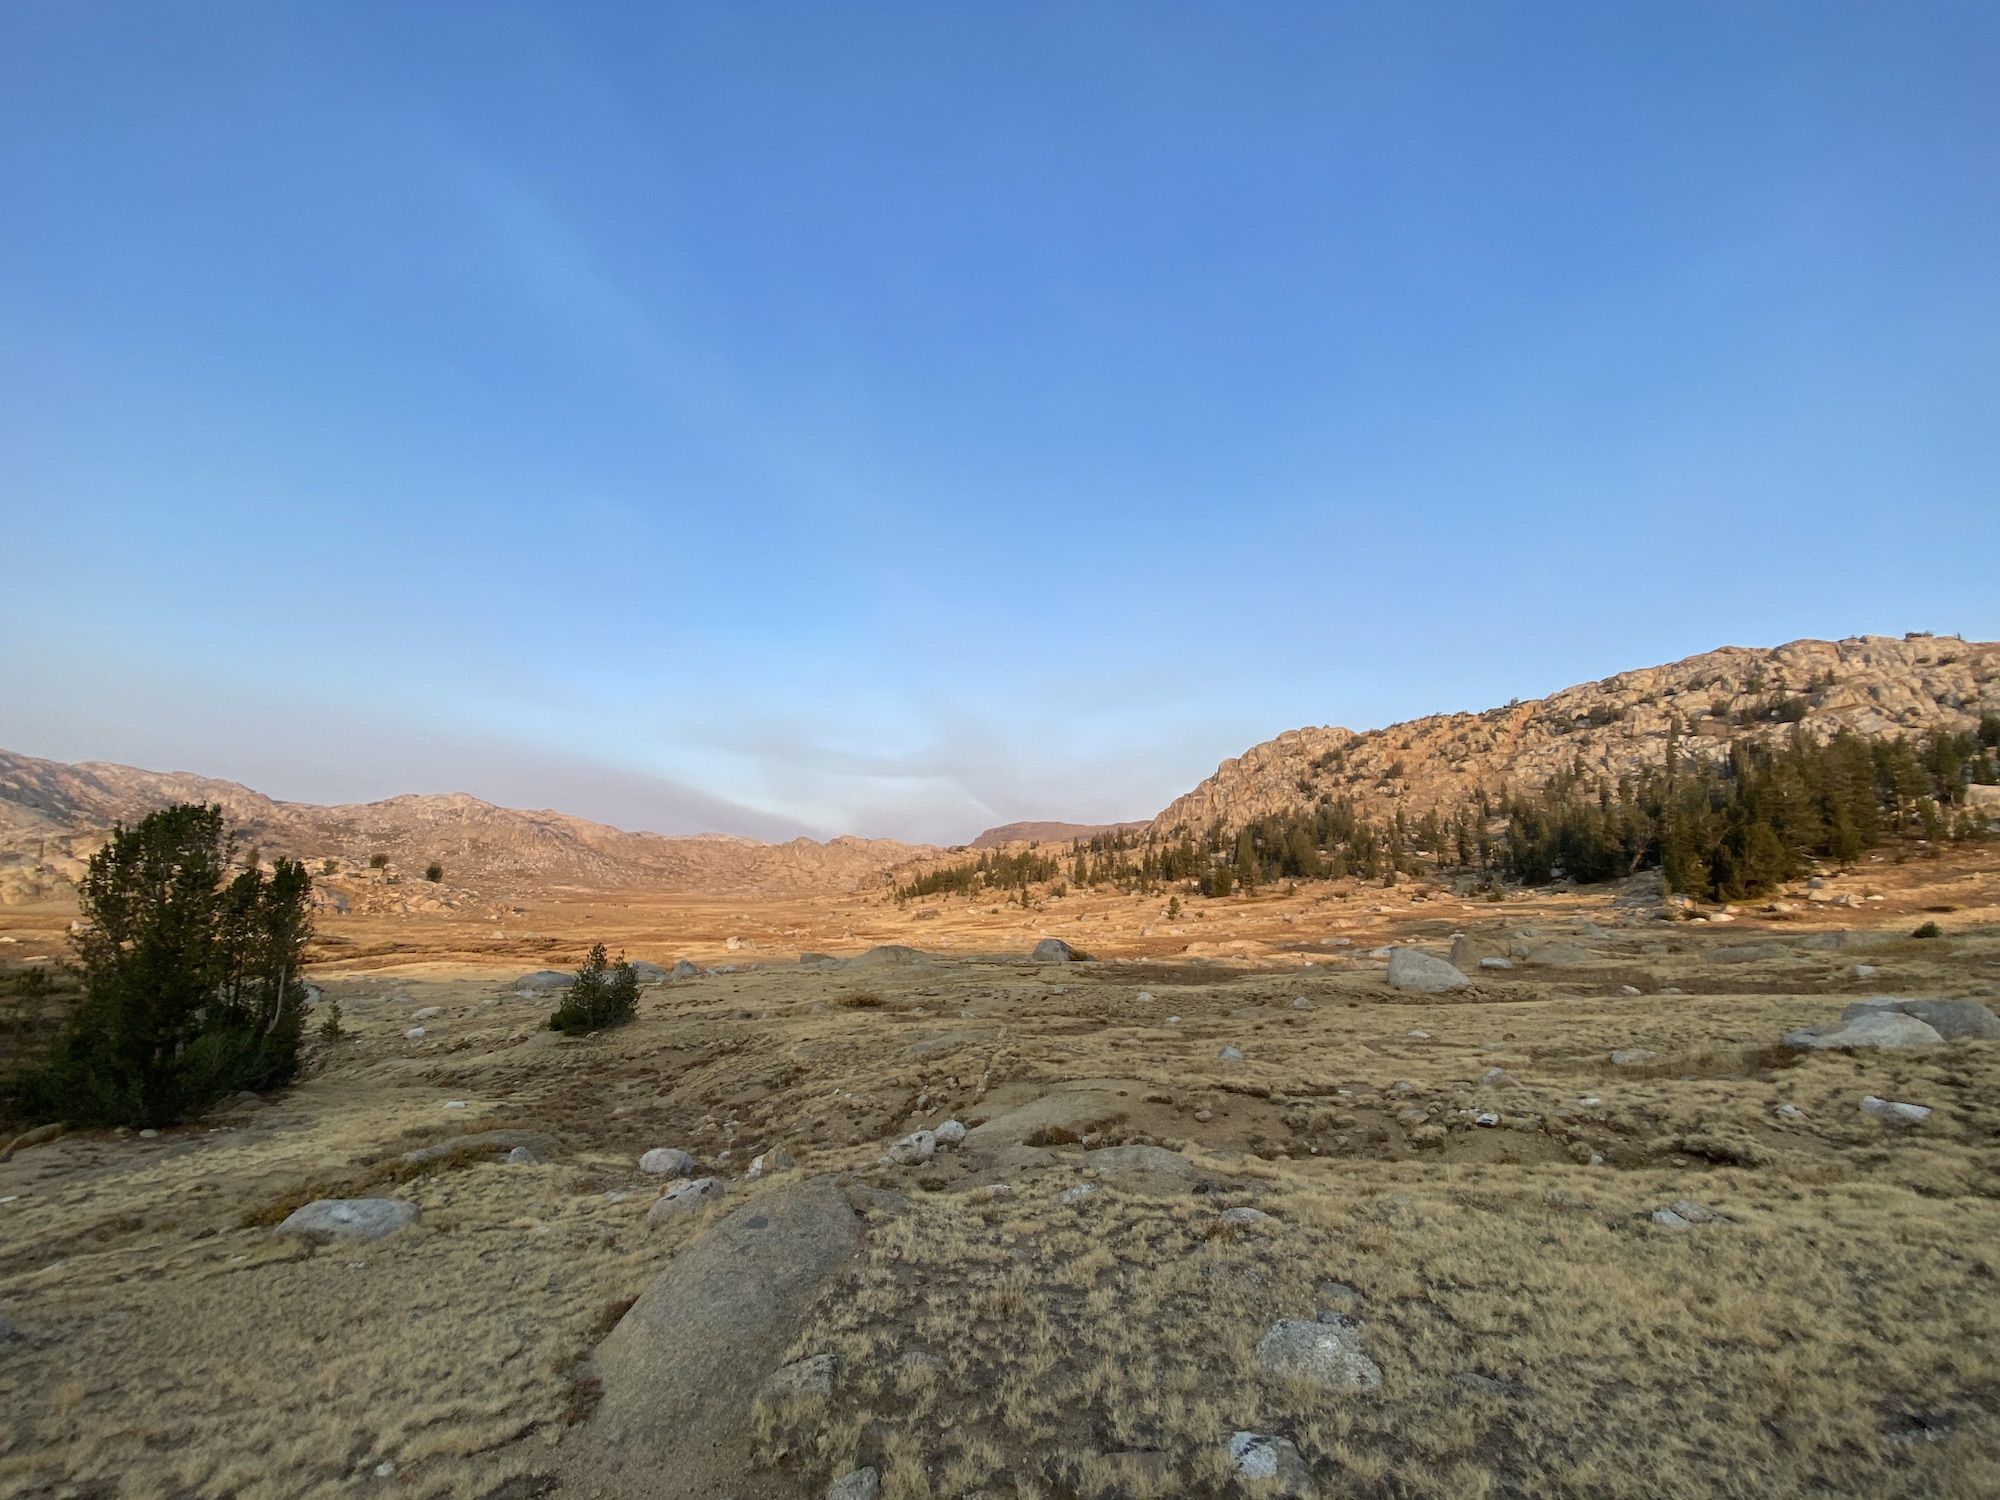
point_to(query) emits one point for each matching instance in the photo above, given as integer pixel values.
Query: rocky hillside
(52, 815)
(1873, 685)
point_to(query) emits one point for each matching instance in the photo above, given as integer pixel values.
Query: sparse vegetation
(1928, 930)
(434, 872)
(378, 861)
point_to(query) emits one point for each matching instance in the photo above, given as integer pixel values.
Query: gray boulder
(1054, 951)
(682, 969)
(1468, 952)
(544, 980)
(666, 1161)
(328, 1219)
(1142, 1168)
(1411, 969)
(811, 1378)
(1749, 953)
(858, 1484)
(1954, 1020)
(1893, 1111)
(646, 973)
(915, 1148)
(1555, 953)
(1270, 1466)
(1873, 1028)
(681, 1371)
(1325, 1354)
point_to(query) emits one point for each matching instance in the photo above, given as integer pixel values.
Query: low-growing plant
(434, 872)
(604, 994)
(1928, 930)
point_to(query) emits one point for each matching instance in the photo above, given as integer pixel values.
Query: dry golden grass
(1840, 1336)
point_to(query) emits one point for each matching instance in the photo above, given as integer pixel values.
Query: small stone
(1173, 1020)
(1144, 997)
(1632, 1057)
(149, 1134)
(1693, 1212)
(778, 1159)
(1076, 1194)
(427, 1013)
(1486, 1117)
(1666, 1218)
(1623, 989)
(414, 1034)
(813, 1377)
(1789, 1112)
(521, 1156)
(1230, 1054)
(385, 1470)
(666, 1161)
(1422, 1036)
(454, 1104)
(1496, 963)
(1498, 1078)
(1299, 1002)
(1244, 1216)
(950, 1133)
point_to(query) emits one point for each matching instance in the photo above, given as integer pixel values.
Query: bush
(190, 978)
(1928, 930)
(378, 861)
(434, 873)
(604, 994)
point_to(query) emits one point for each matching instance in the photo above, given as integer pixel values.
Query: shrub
(190, 977)
(378, 861)
(604, 994)
(328, 866)
(434, 872)
(1928, 930)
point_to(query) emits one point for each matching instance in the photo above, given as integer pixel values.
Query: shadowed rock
(682, 1369)
(328, 1219)
(1872, 1028)
(1055, 951)
(1954, 1020)
(1410, 969)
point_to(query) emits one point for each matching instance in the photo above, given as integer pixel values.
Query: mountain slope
(1874, 685)
(1045, 832)
(52, 815)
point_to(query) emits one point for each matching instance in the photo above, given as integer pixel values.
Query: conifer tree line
(1719, 826)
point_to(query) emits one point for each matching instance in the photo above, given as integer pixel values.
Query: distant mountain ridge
(1046, 832)
(52, 815)
(1875, 686)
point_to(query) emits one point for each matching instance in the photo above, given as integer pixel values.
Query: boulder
(1872, 1028)
(644, 972)
(1954, 1020)
(1142, 1168)
(682, 969)
(682, 1197)
(1468, 952)
(811, 1378)
(544, 980)
(1632, 1057)
(950, 1133)
(1054, 951)
(666, 1161)
(916, 1147)
(1498, 1078)
(1270, 1466)
(857, 1484)
(327, 1219)
(1325, 1354)
(1412, 969)
(777, 1159)
(681, 1371)
(1894, 1112)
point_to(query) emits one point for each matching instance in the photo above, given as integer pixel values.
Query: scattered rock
(1271, 1465)
(1633, 1057)
(1141, 1167)
(427, 1012)
(1230, 1054)
(950, 1133)
(1487, 1118)
(1413, 969)
(1684, 1213)
(1245, 1216)
(1498, 1078)
(682, 1197)
(777, 1159)
(682, 969)
(1789, 1112)
(1077, 1194)
(1496, 963)
(1894, 1112)
(414, 1034)
(327, 1219)
(1326, 1354)
(666, 1161)
(1468, 951)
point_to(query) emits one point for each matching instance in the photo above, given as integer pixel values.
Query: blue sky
(903, 418)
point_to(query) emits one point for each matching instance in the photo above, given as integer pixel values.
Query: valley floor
(1484, 1242)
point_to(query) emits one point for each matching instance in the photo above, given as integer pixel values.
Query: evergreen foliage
(603, 994)
(189, 976)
